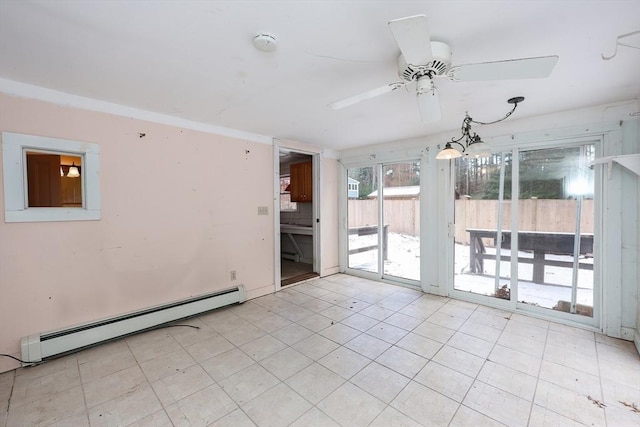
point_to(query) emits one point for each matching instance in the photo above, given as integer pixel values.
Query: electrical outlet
(263, 210)
(233, 275)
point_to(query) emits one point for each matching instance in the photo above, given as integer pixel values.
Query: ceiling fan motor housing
(439, 65)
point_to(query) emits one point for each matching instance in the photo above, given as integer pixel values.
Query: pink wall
(179, 211)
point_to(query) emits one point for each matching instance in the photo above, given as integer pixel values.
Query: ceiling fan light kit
(422, 60)
(428, 100)
(471, 144)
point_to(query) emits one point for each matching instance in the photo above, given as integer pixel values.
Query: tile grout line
(333, 322)
(197, 363)
(364, 367)
(483, 364)
(84, 397)
(164, 408)
(474, 379)
(388, 405)
(595, 343)
(343, 346)
(412, 379)
(439, 350)
(288, 346)
(148, 382)
(13, 384)
(535, 390)
(561, 386)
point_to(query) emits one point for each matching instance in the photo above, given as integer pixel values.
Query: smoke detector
(265, 43)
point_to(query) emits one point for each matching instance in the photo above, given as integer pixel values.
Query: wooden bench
(369, 230)
(539, 242)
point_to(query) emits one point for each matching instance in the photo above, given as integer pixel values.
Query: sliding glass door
(482, 214)
(363, 216)
(524, 228)
(383, 212)
(555, 236)
(401, 219)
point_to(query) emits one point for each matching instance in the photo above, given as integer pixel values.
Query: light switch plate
(263, 210)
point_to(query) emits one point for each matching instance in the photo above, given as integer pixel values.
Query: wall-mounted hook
(618, 43)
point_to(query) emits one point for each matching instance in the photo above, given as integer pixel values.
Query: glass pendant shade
(448, 153)
(478, 150)
(73, 171)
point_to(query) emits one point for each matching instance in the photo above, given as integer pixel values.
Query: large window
(50, 179)
(524, 228)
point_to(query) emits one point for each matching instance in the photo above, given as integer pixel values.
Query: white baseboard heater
(38, 347)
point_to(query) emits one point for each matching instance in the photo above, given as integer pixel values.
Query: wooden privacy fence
(403, 216)
(549, 215)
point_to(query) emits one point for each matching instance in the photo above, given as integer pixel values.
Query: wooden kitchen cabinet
(301, 182)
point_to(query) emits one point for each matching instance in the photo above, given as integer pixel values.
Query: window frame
(600, 261)
(14, 148)
(289, 193)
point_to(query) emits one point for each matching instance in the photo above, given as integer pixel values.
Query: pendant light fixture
(73, 171)
(472, 145)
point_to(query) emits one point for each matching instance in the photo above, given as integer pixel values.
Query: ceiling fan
(422, 60)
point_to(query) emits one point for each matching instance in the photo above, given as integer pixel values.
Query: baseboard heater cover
(38, 347)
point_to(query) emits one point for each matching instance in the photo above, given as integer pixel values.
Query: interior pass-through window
(50, 179)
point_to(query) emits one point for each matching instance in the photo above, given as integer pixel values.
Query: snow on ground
(403, 260)
(403, 255)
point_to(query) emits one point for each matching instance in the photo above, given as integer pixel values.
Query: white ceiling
(195, 60)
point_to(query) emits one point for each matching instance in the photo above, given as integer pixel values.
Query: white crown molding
(23, 90)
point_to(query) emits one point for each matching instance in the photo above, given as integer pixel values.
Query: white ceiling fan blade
(525, 68)
(413, 39)
(366, 95)
(429, 106)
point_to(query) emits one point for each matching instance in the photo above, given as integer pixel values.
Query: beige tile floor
(339, 351)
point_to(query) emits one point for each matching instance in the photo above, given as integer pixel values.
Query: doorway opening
(297, 217)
